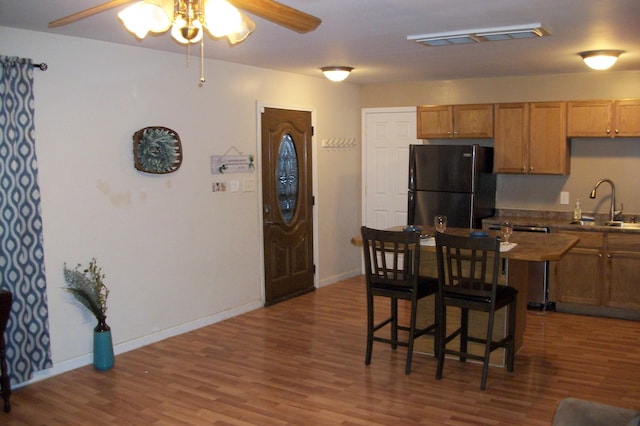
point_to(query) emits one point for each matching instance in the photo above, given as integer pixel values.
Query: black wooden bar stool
(392, 264)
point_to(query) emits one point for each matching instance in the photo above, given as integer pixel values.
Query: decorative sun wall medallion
(157, 150)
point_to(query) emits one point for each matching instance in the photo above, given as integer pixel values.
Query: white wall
(176, 255)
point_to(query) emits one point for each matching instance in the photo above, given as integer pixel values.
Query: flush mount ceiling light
(334, 73)
(481, 34)
(600, 59)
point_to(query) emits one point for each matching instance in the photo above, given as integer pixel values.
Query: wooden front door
(287, 199)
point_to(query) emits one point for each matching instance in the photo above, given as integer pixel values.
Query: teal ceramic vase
(103, 359)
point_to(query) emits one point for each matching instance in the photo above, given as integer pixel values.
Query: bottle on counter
(577, 211)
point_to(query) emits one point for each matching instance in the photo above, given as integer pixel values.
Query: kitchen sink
(615, 224)
(583, 222)
(625, 225)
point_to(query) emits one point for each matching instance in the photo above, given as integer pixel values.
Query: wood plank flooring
(301, 362)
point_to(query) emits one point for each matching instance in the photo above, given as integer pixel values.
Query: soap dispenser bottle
(577, 211)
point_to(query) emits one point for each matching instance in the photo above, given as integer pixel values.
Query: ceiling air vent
(480, 35)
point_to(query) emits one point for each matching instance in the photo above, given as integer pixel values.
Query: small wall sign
(227, 164)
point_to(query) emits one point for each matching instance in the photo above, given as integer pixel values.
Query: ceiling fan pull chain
(202, 79)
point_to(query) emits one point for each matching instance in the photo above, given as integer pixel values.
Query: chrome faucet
(613, 213)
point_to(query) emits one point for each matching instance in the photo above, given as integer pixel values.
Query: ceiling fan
(187, 19)
(270, 10)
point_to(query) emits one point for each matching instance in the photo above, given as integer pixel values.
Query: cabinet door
(511, 140)
(473, 121)
(577, 277)
(548, 143)
(589, 119)
(623, 289)
(622, 272)
(627, 118)
(435, 122)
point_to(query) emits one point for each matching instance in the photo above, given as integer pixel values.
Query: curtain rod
(42, 66)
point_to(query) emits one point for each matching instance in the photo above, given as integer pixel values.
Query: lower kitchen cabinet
(578, 276)
(603, 270)
(623, 270)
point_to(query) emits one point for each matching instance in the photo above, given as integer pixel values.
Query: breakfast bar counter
(528, 248)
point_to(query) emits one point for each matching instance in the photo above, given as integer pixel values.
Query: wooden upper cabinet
(531, 138)
(455, 121)
(435, 122)
(511, 140)
(548, 143)
(627, 118)
(607, 119)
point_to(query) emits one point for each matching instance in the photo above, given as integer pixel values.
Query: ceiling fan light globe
(221, 18)
(134, 19)
(158, 20)
(247, 28)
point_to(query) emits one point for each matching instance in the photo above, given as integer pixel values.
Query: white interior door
(387, 134)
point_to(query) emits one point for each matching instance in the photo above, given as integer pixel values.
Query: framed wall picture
(157, 150)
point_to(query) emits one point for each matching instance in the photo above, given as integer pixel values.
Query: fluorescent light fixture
(446, 41)
(600, 59)
(335, 73)
(481, 34)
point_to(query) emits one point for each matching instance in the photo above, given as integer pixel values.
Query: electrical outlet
(564, 197)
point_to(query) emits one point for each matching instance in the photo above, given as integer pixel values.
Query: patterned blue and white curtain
(21, 250)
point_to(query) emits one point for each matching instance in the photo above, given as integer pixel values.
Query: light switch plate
(234, 185)
(248, 185)
(564, 197)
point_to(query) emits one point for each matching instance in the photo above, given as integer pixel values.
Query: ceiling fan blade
(87, 12)
(280, 14)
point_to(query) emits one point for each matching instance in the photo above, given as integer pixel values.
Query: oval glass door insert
(287, 178)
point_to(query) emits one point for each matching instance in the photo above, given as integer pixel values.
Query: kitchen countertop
(531, 247)
(557, 221)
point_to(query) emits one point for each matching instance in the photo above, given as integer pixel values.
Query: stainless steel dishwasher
(538, 286)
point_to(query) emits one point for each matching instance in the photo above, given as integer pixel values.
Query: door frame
(260, 106)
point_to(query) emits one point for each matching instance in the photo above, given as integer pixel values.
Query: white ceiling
(371, 36)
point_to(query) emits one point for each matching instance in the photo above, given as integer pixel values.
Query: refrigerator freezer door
(425, 205)
(441, 168)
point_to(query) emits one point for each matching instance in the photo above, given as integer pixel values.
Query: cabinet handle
(524, 169)
(449, 132)
(608, 131)
(455, 132)
(531, 168)
(617, 131)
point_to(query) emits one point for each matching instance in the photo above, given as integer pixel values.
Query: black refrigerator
(453, 180)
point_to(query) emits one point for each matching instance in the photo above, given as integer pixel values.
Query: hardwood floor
(301, 362)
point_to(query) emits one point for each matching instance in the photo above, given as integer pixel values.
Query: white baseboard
(339, 277)
(81, 361)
